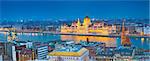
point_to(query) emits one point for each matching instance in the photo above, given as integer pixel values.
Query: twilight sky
(72, 9)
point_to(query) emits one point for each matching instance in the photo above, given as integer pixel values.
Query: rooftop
(26, 51)
(20, 41)
(86, 17)
(124, 51)
(68, 53)
(90, 43)
(69, 48)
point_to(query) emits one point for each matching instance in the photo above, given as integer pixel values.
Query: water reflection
(110, 42)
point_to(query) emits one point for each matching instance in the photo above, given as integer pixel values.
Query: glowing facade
(87, 27)
(124, 39)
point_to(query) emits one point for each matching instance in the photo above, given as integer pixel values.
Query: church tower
(86, 24)
(78, 23)
(125, 41)
(86, 21)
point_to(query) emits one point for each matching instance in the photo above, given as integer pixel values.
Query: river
(143, 43)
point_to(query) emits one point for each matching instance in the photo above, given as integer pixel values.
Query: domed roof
(86, 17)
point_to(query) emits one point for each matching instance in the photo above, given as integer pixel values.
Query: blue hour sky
(31, 9)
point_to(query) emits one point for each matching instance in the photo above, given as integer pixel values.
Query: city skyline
(73, 9)
(74, 30)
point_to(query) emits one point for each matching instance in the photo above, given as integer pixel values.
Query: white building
(1, 58)
(147, 30)
(29, 44)
(69, 54)
(14, 53)
(42, 52)
(139, 29)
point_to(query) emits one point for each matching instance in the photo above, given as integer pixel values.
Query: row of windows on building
(71, 58)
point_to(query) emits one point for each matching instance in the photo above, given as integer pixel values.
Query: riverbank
(77, 34)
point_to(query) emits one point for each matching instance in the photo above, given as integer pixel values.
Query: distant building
(14, 53)
(51, 28)
(1, 51)
(118, 28)
(139, 28)
(1, 48)
(88, 27)
(42, 51)
(28, 44)
(93, 47)
(147, 30)
(106, 53)
(21, 53)
(131, 28)
(125, 41)
(1, 58)
(9, 50)
(124, 53)
(26, 55)
(20, 43)
(74, 53)
(113, 53)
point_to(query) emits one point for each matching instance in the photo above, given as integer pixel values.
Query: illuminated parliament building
(87, 27)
